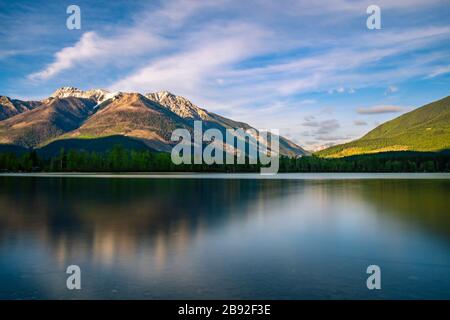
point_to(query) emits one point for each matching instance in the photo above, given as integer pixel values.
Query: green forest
(119, 159)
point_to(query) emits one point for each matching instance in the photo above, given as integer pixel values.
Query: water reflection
(108, 218)
(138, 238)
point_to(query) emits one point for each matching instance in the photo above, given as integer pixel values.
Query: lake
(217, 236)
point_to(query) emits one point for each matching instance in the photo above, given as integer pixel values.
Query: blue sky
(310, 69)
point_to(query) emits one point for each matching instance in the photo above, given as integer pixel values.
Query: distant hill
(425, 129)
(71, 117)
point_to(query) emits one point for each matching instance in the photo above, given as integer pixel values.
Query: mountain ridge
(71, 113)
(424, 129)
(11, 107)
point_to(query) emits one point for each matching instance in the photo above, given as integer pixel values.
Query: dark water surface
(189, 238)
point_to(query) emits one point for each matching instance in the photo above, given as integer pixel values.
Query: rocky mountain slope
(190, 112)
(49, 120)
(11, 107)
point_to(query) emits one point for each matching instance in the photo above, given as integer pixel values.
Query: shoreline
(240, 176)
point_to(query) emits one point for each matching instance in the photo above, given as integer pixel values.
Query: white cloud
(341, 90)
(360, 123)
(207, 55)
(92, 47)
(307, 101)
(343, 8)
(332, 138)
(439, 71)
(323, 127)
(9, 53)
(145, 36)
(380, 109)
(327, 69)
(391, 89)
(87, 47)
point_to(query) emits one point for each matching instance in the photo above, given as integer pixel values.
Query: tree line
(119, 159)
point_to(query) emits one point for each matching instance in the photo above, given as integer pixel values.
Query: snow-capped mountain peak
(99, 95)
(108, 96)
(179, 105)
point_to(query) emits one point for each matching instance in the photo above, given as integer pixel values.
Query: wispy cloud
(10, 53)
(207, 56)
(323, 127)
(332, 138)
(92, 47)
(360, 123)
(380, 109)
(391, 89)
(439, 71)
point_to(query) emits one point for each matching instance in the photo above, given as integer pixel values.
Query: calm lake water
(208, 237)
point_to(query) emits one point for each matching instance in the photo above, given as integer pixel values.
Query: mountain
(132, 115)
(179, 105)
(73, 118)
(424, 129)
(11, 107)
(190, 112)
(49, 120)
(99, 95)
